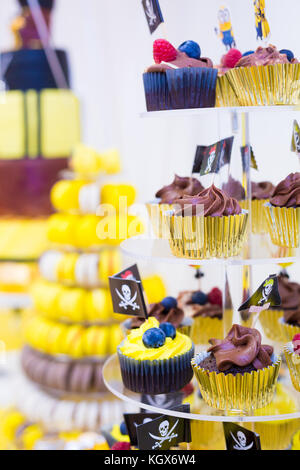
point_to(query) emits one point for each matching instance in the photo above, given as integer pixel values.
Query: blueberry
(154, 338)
(191, 48)
(168, 329)
(199, 298)
(288, 53)
(169, 302)
(123, 429)
(247, 53)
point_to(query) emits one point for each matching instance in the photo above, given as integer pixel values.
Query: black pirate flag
(153, 14)
(133, 420)
(238, 438)
(296, 138)
(164, 432)
(214, 156)
(267, 295)
(127, 293)
(198, 158)
(244, 153)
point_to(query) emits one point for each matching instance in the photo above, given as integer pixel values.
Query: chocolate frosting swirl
(262, 190)
(263, 56)
(215, 203)
(289, 293)
(184, 301)
(241, 347)
(287, 192)
(179, 187)
(174, 316)
(182, 60)
(234, 188)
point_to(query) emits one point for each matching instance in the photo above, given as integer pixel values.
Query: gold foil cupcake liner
(293, 363)
(205, 328)
(269, 321)
(283, 225)
(240, 392)
(275, 435)
(155, 212)
(199, 237)
(287, 331)
(266, 85)
(258, 216)
(225, 95)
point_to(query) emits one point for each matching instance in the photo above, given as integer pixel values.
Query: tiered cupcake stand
(258, 250)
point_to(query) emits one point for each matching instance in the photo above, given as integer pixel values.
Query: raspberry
(215, 297)
(188, 389)
(121, 446)
(163, 51)
(231, 58)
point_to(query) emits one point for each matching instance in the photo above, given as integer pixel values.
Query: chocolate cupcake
(209, 224)
(237, 373)
(283, 212)
(165, 198)
(180, 78)
(265, 77)
(165, 311)
(206, 311)
(286, 318)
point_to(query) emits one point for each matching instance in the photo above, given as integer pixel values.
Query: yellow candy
(86, 231)
(71, 304)
(115, 338)
(155, 289)
(109, 263)
(61, 228)
(96, 341)
(85, 160)
(121, 196)
(73, 341)
(31, 435)
(98, 305)
(110, 161)
(11, 423)
(65, 195)
(66, 267)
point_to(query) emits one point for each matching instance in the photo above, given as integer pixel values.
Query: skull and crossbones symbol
(150, 12)
(126, 299)
(165, 434)
(241, 441)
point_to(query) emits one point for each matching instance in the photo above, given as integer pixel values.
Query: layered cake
(39, 117)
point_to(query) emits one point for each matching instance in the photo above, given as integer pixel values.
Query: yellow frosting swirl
(133, 345)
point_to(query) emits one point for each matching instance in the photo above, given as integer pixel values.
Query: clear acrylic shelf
(229, 109)
(262, 252)
(199, 411)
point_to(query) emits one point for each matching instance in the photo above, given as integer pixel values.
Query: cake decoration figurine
(225, 30)
(24, 26)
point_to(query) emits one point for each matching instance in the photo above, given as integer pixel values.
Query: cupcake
(283, 212)
(276, 435)
(165, 198)
(292, 356)
(156, 359)
(265, 77)
(218, 232)
(281, 323)
(260, 194)
(237, 373)
(180, 78)
(165, 311)
(225, 95)
(206, 312)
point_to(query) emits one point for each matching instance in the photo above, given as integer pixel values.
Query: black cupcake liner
(180, 88)
(156, 376)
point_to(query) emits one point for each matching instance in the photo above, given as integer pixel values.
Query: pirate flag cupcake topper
(153, 14)
(211, 158)
(267, 295)
(127, 293)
